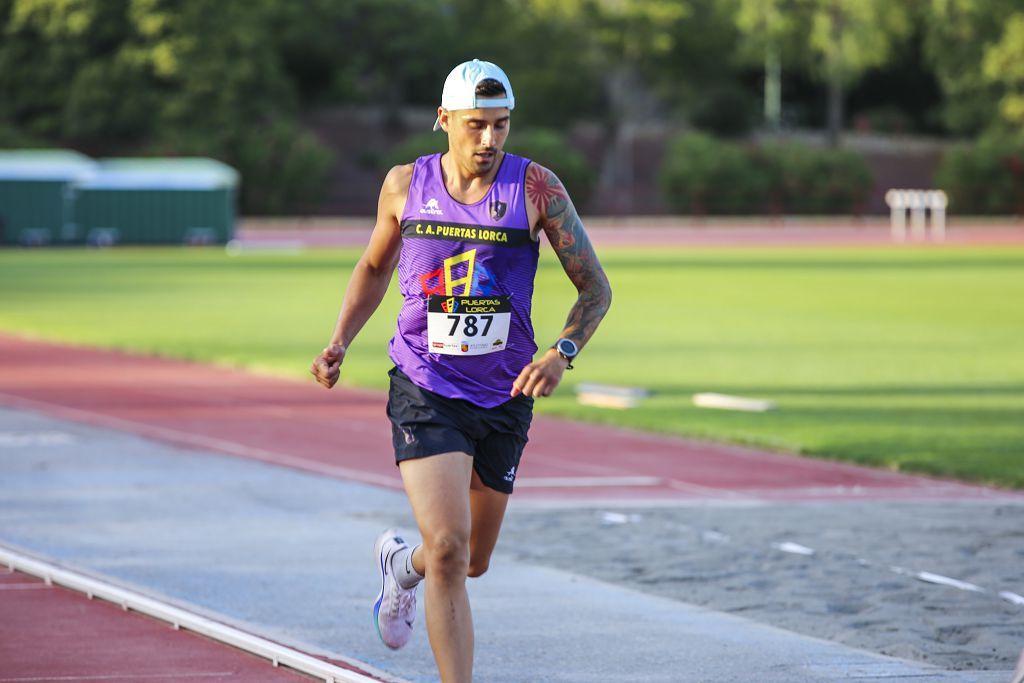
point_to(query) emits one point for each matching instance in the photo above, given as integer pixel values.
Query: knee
(477, 566)
(448, 555)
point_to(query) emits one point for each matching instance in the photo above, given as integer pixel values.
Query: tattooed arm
(551, 211)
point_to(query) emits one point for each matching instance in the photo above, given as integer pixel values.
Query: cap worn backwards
(460, 88)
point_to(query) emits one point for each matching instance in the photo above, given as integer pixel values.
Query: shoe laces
(403, 602)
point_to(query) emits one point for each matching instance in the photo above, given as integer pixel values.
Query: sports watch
(568, 350)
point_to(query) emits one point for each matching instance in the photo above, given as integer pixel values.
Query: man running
(463, 228)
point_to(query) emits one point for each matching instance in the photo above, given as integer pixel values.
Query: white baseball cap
(460, 88)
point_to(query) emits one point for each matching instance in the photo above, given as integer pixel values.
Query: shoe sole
(381, 559)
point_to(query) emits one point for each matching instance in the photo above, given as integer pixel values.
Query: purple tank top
(469, 269)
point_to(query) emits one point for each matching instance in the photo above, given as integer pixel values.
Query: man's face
(475, 136)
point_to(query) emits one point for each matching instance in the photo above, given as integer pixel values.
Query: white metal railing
(921, 204)
(279, 655)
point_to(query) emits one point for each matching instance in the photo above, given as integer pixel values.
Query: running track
(344, 433)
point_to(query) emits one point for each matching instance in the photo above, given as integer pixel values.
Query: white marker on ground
(795, 548)
(727, 402)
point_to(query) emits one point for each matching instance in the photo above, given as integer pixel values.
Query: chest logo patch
(432, 208)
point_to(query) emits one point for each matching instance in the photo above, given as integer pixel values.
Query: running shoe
(395, 609)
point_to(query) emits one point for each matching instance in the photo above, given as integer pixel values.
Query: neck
(463, 184)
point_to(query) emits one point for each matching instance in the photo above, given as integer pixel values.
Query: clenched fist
(327, 366)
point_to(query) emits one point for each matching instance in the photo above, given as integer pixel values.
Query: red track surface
(344, 433)
(50, 634)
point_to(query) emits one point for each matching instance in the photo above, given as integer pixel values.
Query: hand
(541, 377)
(327, 366)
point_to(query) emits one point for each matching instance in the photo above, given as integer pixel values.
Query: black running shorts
(424, 423)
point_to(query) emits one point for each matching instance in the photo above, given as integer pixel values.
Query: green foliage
(808, 180)
(13, 138)
(284, 169)
(114, 77)
(986, 177)
(704, 175)
(1004, 65)
(959, 35)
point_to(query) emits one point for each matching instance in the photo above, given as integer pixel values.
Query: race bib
(467, 325)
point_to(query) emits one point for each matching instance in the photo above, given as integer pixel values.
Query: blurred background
(643, 107)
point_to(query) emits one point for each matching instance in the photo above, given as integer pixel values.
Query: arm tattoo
(570, 242)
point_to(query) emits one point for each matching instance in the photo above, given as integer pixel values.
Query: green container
(37, 195)
(158, 201)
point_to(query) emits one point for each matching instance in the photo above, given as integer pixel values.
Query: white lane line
(938, 579)
(586, 482)
(1012, 597)
(21, 587)
(941, 580)
(279, 655)
(204, 442)
(27, 439)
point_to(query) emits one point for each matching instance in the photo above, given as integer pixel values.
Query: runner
(463, 228)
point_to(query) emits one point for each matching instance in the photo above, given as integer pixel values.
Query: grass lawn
(909, 358)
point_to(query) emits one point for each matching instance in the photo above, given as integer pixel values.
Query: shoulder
(544, 190)
(398, 179)
(394, 192)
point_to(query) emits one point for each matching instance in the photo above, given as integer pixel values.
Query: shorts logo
(432, 208)
(510, 476)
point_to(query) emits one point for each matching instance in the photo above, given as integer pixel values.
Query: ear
(442, 118)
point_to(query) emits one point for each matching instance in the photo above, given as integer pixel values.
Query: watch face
(567, 347)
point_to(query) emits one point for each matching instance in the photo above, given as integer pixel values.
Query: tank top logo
(497, 209)
(432, 208)
(459, 275)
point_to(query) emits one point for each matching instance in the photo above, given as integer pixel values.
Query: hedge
(986, 177)
(704, 175)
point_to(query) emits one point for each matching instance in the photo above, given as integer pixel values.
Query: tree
(849, 37)
(958, 35)
(1004, 66)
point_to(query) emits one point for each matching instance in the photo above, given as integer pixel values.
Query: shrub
(703, 175)
(284, 169)
(986, 177)
(544, 146)
(807, 180)
(15, 138)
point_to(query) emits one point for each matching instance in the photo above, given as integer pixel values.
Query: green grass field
(907, 358)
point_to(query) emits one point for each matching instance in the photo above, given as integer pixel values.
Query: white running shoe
(395, 609)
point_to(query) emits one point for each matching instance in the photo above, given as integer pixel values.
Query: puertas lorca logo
(450, 305)
(432, 208)
(497, 209)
